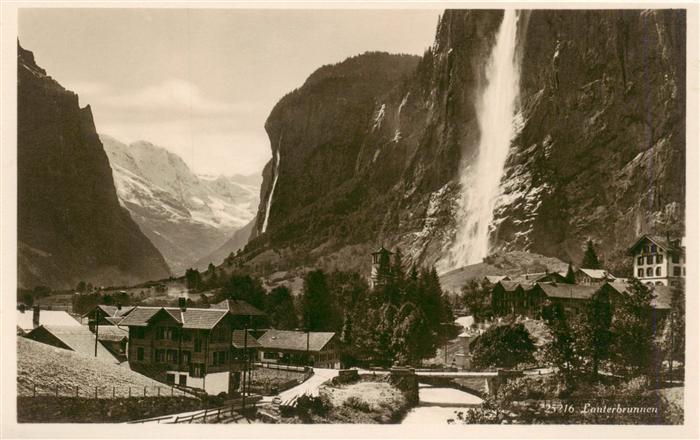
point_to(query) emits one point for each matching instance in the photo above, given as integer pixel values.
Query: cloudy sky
(202, 82)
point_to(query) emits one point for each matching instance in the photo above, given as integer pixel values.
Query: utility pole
(97, 328)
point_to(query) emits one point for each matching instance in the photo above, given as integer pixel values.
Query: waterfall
(480, 180)
(272, 191)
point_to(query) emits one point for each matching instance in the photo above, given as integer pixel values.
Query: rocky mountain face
(369, 151)
(186, 216)
(236, 242)
(70, 224)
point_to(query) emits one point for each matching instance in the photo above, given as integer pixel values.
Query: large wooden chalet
(188, 346)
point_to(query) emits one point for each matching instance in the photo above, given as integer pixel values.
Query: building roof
(573, 291)
(112, 311)
(48, 317)
(79, 339)
(493, 279)
(239, 340)
(295, 340)
(193, 318)
(662, 294)
(509, 286)
(597, 274)
(672, 245)
(237, 307)
(112, 333)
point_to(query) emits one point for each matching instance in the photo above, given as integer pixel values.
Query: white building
(658, 260)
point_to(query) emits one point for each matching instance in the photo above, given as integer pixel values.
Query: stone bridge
(480, 383)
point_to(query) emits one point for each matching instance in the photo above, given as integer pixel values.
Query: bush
(357, 403)
(318, 405)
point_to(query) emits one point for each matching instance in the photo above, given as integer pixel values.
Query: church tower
(381, 268)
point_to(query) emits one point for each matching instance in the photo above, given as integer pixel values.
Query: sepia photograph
(419, 215)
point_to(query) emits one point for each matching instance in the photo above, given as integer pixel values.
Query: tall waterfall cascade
(480, 180)
(272, 191)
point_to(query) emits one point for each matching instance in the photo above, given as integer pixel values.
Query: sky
(201, 82)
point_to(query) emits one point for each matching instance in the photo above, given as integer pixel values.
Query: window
(139, 353)
(676, 271)
(219, 358)
(658, 271)
(174, 334)
(197, 370)
(160, 332)
(640, 261)
(650, 259)
(675, 258)
(186, 357)
(172, 356)
(650, 272)
(160, 355)
(640, 273)
(645, 250)
(653, 248)
(659, 259)
(183, 380)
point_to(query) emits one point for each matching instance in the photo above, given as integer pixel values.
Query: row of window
(659, 259)
(163, 355)
(650, 272)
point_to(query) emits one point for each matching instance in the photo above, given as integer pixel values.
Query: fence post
(95, 392)
(129, 391)
(144, 391)
(172, 391)
(34, 390)
(158, 391)
(114, 392)
(176, 419)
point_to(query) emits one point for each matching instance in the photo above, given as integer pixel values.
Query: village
(225, 363)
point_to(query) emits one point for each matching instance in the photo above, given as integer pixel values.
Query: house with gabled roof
(76, 338)
(592, 276)
(106, 315)
(658, 260)
(29, 319)
(189, 346)
(320, 349)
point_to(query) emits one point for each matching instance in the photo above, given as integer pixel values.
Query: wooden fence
(99, 392)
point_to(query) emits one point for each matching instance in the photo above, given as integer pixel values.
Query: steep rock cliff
(371, 153)
(70, 224)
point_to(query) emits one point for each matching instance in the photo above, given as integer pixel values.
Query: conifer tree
(590, 258)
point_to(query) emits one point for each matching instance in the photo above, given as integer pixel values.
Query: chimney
(35, 316)
(182, 301)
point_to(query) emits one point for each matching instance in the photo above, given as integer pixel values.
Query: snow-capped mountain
(185, 215)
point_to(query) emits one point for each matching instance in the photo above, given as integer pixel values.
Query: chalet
(512, 297)
(189, 346)
(28, 320)
(106, 315)
(320, 349)
(114, 339)
(592, 276)
(658, 260)
(76, 338)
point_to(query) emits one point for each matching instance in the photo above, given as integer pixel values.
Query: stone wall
(49, 409)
